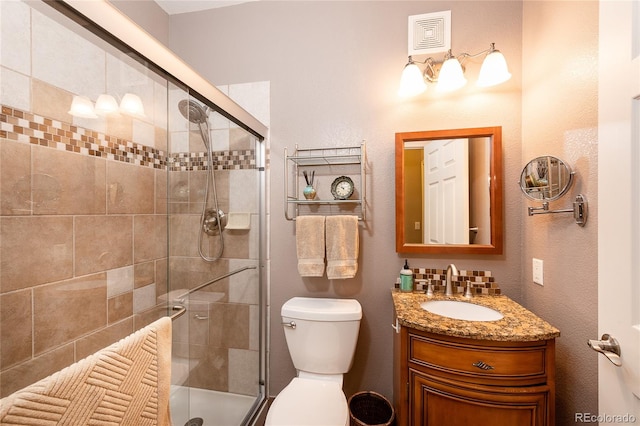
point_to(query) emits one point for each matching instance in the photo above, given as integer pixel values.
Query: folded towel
(127, 383)
(342, 246)
(310, 245)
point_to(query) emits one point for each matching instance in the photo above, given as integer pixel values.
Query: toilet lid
(309, 402)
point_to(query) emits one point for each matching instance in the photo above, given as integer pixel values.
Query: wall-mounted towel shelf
(326, 164)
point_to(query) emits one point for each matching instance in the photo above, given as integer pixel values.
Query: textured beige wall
(559, 117)
(334, 69)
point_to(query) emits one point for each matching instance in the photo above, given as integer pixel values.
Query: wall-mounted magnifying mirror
(449, 191)
(546, 178)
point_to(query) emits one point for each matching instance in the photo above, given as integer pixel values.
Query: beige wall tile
(161, 277)
(35, 250)
(161, 138)
(239, 139)
(120, 280)
(144, 274)
(38, 368)
(232, 326)
(67, 310)
(102, 243)
(189, 272)
(211, 371)
(121, 126)
(144, 298)
(50, 101)
(15, 178)
(96, 341)
(130, 189)
(187, 228)
(15, 333)
(150, 237)
(161, 191)
(236, 244)
(197, 185)
(120, 307)
(244, 370)
(67, 183)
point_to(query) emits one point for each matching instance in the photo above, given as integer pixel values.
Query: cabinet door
(437, 403)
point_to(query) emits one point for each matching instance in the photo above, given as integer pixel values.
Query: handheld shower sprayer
(213, 220)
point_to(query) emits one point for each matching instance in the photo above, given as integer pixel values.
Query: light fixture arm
(433, 67)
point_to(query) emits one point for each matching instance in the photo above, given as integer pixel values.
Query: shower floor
(216, 408)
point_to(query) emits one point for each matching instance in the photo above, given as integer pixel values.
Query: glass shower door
(214, 203)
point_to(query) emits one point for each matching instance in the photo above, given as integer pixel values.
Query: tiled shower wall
(86, 207)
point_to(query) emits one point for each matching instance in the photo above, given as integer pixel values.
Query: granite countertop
(518, 324)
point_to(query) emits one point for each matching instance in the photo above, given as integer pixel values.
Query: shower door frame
(115, 28)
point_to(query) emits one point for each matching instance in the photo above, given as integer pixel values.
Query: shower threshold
(215, 408)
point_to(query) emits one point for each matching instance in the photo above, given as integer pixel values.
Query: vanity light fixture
(131, 104)
(106, 104)
(82, 107)
(448, 74)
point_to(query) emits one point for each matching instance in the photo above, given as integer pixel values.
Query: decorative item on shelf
(309, 191)
(342, 188)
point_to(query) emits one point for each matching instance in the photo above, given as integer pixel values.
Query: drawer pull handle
(482, 365)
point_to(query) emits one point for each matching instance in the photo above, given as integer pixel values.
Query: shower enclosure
(113, 213)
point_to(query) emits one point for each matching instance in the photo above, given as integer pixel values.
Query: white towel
(342, 246)
(310, 245)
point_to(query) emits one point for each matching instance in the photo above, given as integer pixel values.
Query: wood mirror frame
(495, 192)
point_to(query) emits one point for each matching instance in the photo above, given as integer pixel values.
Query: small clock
(342, 188)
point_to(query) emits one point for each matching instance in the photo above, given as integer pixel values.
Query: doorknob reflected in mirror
(609, 347)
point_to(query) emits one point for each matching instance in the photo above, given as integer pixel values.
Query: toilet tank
(324, 338)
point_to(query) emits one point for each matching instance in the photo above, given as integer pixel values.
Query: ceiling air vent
(430, 33)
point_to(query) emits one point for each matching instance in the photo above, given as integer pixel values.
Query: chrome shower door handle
(609, 347)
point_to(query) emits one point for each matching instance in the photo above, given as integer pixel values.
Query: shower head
(192, 111)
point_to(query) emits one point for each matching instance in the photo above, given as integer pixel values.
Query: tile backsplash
(482, 282)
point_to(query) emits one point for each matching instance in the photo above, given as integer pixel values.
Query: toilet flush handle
(290, 324)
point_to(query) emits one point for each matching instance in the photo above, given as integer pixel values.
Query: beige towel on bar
(342, 246)
(127, 383)
(310, 245)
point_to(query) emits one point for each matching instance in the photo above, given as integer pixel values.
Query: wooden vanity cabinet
(442, 380)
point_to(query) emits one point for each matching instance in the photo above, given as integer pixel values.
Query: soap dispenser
(406, 278)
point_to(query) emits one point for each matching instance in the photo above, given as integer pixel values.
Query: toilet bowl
(321, 335)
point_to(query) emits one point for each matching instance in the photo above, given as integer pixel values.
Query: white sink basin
(461, 310)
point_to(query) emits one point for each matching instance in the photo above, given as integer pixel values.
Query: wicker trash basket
(370, 409)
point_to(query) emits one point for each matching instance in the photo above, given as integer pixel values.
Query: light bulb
(132, 104)
(81, 106)
(451, 76)
(106, 104)
(494, 70)
(412, 82)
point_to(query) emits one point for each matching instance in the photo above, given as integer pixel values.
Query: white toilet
(321, 335)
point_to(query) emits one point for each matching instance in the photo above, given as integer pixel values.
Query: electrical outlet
(416, 226)
(538, 271)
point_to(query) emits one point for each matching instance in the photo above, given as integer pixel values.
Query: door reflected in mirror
(449, 191)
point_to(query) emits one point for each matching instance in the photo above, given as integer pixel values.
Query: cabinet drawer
(476, 361)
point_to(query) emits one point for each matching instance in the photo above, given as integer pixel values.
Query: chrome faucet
(451, 270)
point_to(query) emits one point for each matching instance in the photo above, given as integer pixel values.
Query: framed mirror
(545, 178)
(449, 191)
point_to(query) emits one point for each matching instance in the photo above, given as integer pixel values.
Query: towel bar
(180, 310)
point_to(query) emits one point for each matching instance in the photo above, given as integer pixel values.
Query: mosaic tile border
(34, 129)
(223, 160)
(482, 282)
